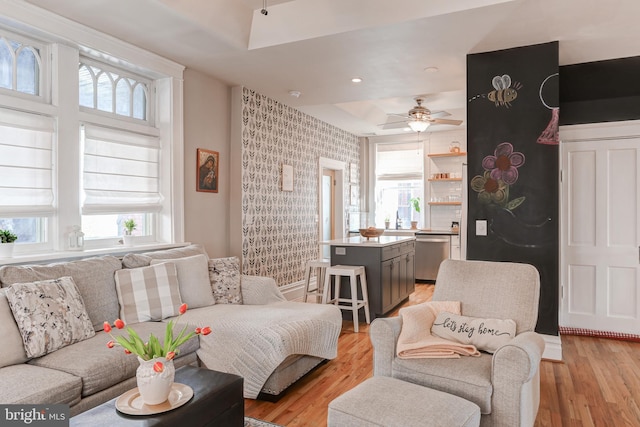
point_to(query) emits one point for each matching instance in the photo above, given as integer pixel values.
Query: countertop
(409, 232)
(375, 242)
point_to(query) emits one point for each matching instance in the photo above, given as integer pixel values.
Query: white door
(600, 229)
(328, 208)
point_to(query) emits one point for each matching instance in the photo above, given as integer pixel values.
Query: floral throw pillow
(50, 314)
(224, 274)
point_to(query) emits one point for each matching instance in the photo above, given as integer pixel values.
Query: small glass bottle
(76, 239)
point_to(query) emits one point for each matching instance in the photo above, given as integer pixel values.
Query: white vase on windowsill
(128, 240)
(6, 250)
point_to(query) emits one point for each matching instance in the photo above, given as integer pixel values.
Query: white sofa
(267, 340)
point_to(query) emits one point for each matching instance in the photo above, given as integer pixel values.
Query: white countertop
(375, 242)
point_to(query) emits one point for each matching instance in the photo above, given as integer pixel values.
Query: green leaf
(515, 203)
(168, 337)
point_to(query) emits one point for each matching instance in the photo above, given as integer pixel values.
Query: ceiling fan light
(418, 125)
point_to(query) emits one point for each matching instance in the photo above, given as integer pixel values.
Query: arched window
(20, 67)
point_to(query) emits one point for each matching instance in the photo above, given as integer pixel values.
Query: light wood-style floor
(597, 383)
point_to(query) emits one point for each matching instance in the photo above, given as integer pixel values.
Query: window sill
(60, 256)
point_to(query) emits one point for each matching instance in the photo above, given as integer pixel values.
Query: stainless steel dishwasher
(431, 250)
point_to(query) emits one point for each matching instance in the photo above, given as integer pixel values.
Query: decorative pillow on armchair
(486, 334)
(50, 315)
(224, 274)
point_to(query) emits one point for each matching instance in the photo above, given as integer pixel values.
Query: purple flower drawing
(504, 163)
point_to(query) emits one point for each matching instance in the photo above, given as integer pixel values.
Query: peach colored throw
(415, 339)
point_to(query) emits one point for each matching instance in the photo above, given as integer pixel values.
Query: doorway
(330, 202)
(601, 228)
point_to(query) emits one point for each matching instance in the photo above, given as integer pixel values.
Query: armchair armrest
(515, 375)
(259, 290)
(384, 333)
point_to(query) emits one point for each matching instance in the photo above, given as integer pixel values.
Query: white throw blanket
(416, 341)
(252, 340)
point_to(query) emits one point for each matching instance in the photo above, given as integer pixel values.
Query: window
(399, 177)
(94, 160)
(20, 65)
(113, 91)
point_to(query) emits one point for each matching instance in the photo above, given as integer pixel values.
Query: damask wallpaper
(279, 229)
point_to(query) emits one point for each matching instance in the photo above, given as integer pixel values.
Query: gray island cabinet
(389, 266)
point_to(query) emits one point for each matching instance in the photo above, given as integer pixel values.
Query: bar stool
(335, 273)
(319, 267)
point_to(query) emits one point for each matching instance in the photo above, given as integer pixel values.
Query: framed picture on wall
(287, 177)
(207, 166)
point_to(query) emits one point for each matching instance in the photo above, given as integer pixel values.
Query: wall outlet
(341, 251)
(481, 227)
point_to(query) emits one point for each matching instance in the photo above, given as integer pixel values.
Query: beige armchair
(506, 385)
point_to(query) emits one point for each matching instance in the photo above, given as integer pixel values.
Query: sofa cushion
(485, 334)
(94, 278)
(193, 280)
(27, 384)
(12, 349)
(470, 380)
(148, 293)
(224, 274)
(50, 314)
(144, 259)
(101, 367)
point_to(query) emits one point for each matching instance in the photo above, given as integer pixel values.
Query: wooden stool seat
(319, 266)
(353, 272)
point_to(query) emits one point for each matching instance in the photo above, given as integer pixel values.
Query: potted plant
(387, 221)
(415, 203)
(6, 243)
(129, 226)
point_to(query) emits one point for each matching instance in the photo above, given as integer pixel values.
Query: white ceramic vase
(154, 387)
(128, 240)
(6, 250)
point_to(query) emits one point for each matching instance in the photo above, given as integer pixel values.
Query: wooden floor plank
(596, 384)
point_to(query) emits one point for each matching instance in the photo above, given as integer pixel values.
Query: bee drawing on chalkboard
(504, 91)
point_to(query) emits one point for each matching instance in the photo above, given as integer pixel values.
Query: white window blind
(120, 171)
(399, 161)
(26, 164)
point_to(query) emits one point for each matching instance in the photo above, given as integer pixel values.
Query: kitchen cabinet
(389, 266)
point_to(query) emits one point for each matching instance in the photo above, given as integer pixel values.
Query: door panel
(601, 216)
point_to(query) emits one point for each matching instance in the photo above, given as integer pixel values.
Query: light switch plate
(481, 227)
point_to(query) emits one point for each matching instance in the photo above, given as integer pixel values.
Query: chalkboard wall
(513, 171)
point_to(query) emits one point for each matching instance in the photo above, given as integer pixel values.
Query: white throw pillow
(50, 314)
(193, 280)
(148, 293)
(224, 274)
(486, 334)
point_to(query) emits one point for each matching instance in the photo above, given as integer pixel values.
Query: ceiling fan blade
(447, 122)
(439, 114)
(393, 125)
(404, 116)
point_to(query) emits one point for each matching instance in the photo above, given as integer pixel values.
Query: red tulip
(183, 308)
(158, 367)
(206, 330)
(119, 324)
(111, 344)
(198, 331)
(107, 327)
(126, 351)
(171, 355)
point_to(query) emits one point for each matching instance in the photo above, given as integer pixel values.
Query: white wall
(207, 104)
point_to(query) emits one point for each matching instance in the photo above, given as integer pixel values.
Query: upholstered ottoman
(385, 401)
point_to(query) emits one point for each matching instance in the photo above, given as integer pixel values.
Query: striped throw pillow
(148, 293)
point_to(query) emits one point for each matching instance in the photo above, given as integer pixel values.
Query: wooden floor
(597, 384)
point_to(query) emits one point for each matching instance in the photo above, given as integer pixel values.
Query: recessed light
(356, 80)
(431, 69)
(295, 93)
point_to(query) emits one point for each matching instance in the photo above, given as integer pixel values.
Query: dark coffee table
(217, 401)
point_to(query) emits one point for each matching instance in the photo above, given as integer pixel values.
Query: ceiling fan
(419, 118)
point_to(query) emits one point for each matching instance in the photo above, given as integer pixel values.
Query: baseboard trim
(552, 347)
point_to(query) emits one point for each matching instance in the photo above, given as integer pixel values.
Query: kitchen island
(389, 266)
